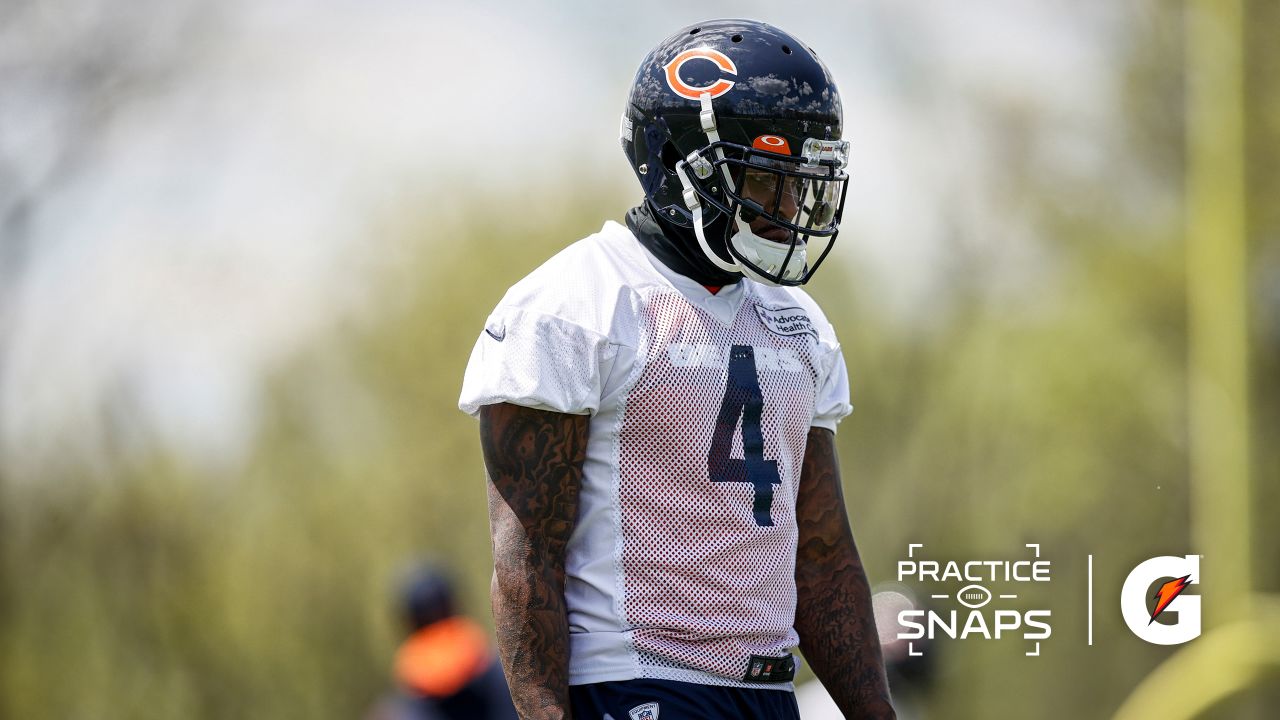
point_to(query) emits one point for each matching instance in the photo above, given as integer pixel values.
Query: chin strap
(691, 201)
(708, 118)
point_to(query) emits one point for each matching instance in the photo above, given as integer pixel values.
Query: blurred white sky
(209, 212)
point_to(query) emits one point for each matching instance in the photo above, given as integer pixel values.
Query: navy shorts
(629, 700)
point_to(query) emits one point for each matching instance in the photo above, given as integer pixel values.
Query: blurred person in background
(912, 665)
(445, 669)
(657, 410)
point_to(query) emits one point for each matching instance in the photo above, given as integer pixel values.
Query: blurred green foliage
(1057, 417)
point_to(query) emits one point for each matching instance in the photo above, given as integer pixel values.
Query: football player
(658, 404)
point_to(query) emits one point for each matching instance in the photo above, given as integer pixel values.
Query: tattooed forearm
(534, 459)
(833, 614)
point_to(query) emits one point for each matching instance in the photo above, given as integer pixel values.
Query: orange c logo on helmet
(685, 90)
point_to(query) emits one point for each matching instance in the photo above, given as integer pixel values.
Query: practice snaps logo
(1174, 618)
(970, 584)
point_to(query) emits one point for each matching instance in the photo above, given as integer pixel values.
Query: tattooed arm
(534, 459)
(833, 611)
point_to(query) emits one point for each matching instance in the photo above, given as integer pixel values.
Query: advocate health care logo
(980, 599)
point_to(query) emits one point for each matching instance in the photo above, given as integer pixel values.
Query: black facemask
(677, 247)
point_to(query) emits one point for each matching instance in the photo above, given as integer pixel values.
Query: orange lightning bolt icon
(1166, 594)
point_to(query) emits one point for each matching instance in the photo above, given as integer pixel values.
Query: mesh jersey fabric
(681, 564)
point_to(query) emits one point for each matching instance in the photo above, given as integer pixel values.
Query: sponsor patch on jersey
(786, 321)
(647, 711)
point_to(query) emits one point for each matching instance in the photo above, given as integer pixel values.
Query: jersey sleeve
(832, 403)
(536, 360)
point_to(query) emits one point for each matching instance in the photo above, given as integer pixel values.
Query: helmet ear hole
(670, 156)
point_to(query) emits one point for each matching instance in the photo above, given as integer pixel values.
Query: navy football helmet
(733, 128)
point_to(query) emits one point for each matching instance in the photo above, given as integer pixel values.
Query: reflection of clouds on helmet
(769, 85)
(647, 90)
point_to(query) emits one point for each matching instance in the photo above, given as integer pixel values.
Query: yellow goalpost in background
(1241, 645)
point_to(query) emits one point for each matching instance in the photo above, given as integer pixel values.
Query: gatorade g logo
(685, 90)
(1174, 574)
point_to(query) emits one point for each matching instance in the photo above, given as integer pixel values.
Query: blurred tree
(68, 70)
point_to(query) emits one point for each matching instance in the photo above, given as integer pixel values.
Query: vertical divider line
(1090, 601)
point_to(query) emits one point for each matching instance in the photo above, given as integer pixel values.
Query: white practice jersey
(682, 562)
